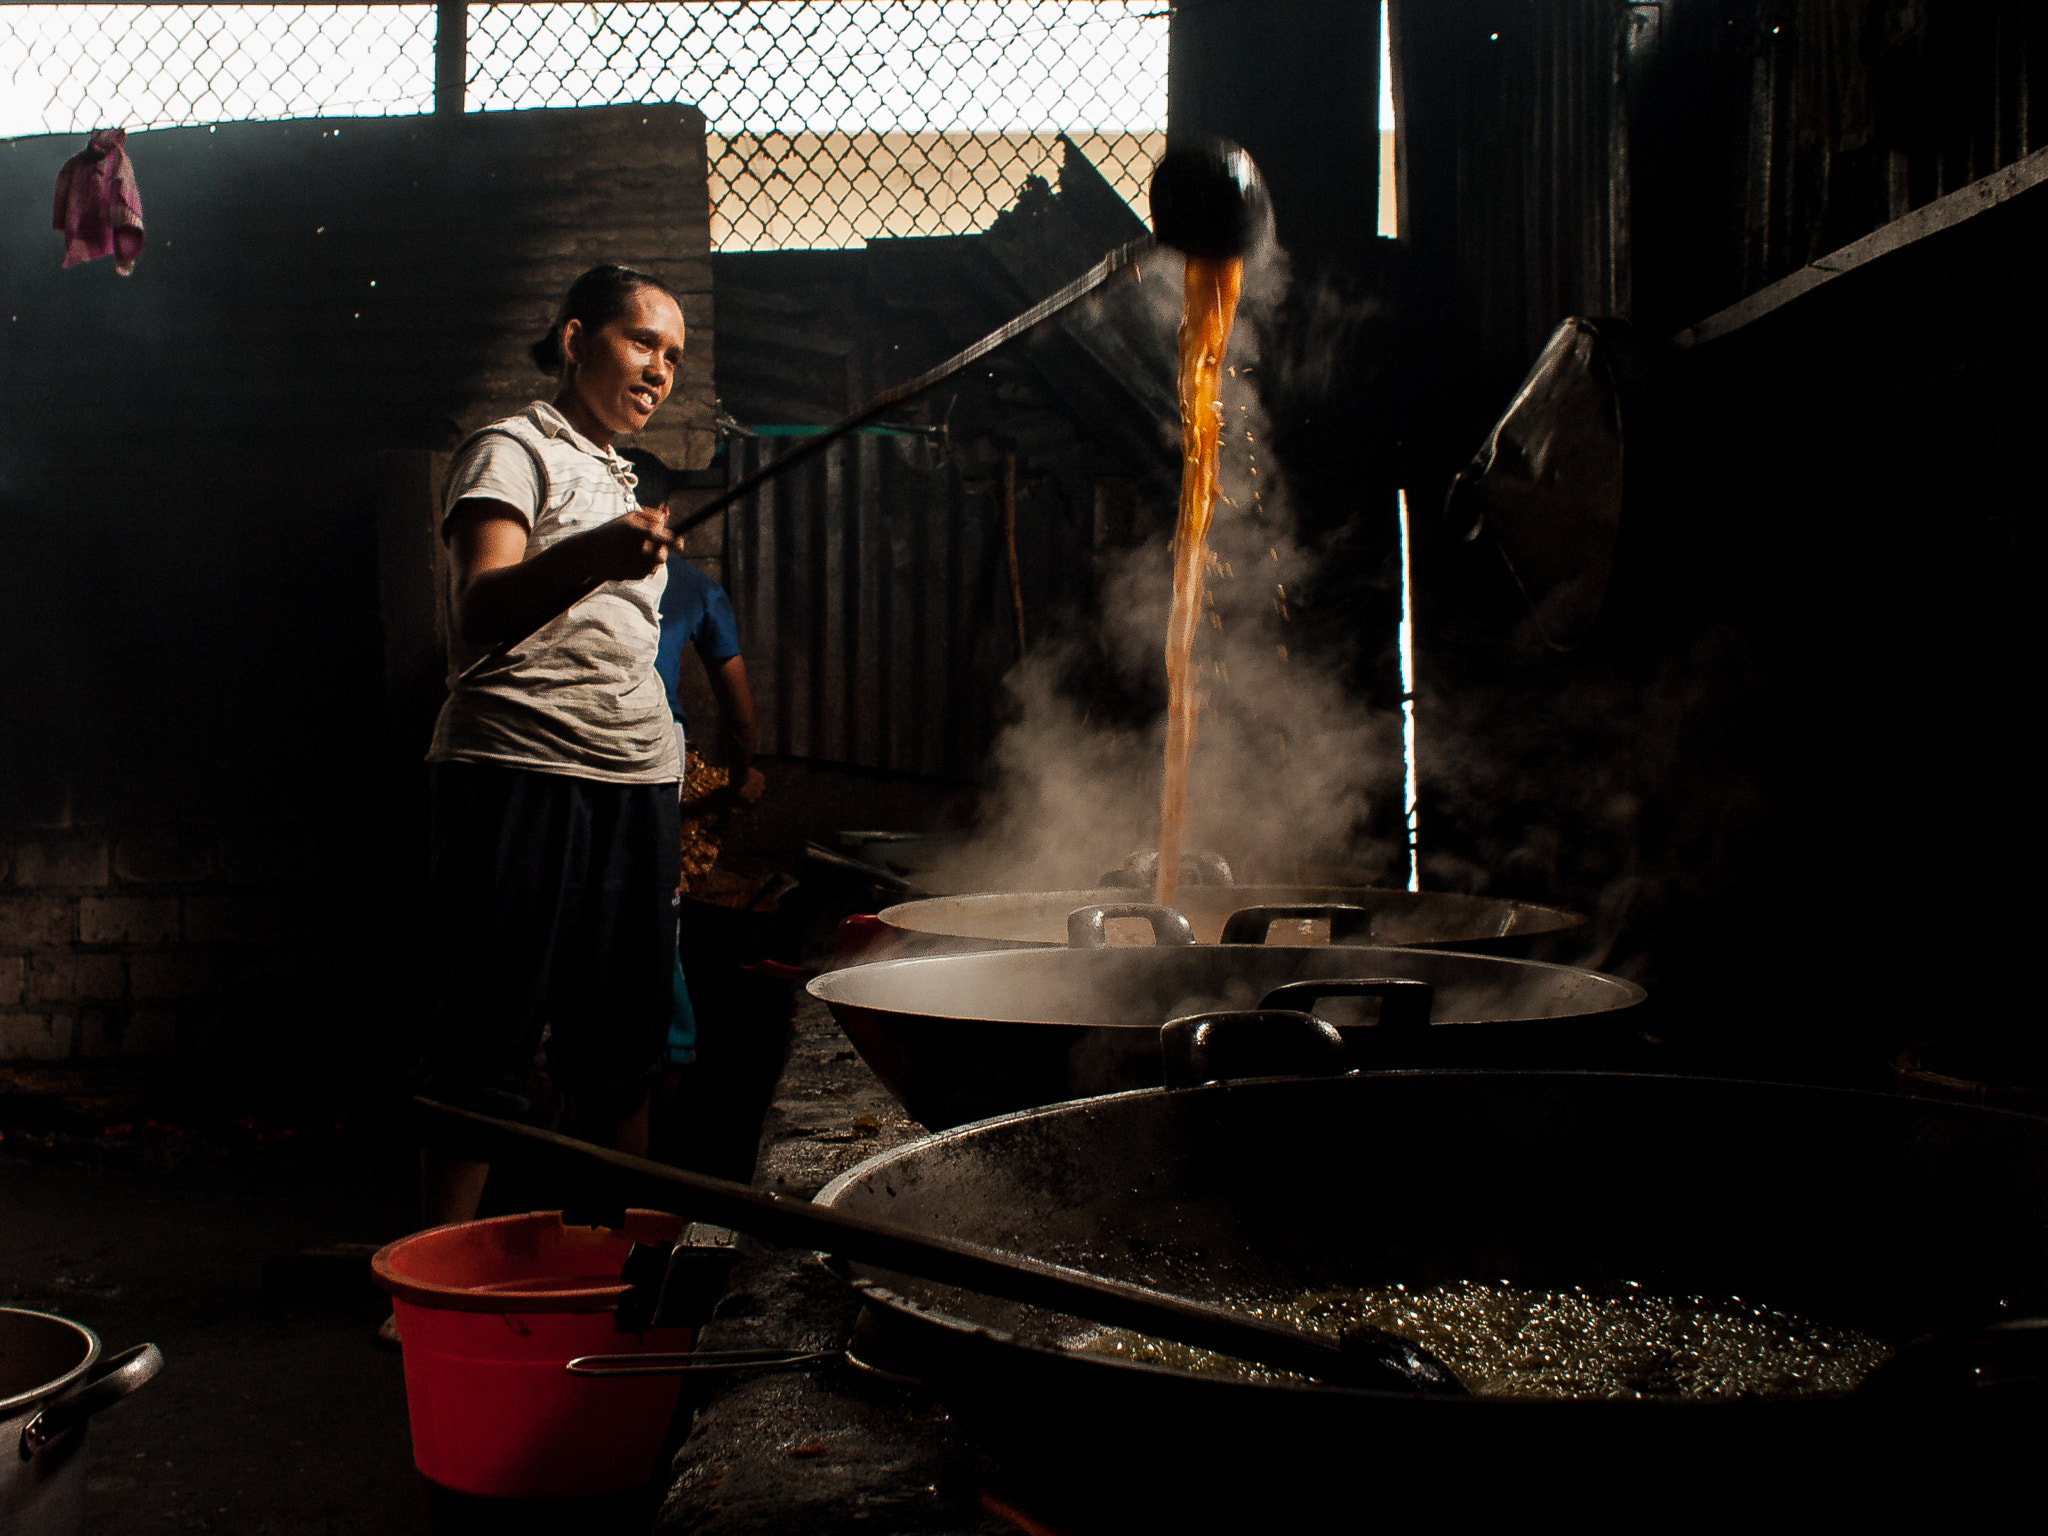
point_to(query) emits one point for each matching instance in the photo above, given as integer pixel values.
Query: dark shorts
(553, 905)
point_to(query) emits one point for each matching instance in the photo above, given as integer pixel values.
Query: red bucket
(490, 1313)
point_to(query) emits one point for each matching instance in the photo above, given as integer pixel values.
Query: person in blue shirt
(696, 614)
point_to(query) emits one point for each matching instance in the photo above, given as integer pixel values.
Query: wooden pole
(451, 57)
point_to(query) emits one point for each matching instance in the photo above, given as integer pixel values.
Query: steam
(1288, 768)
(1626, 799)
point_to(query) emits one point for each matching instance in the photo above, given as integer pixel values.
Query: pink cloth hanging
(99, 212)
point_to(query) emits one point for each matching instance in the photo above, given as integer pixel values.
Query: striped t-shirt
(579, 696)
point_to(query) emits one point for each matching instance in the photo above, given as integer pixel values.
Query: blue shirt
(694, 611)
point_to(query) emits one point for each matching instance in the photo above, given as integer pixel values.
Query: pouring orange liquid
(1208, 306)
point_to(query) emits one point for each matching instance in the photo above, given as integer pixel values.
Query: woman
(554, 771)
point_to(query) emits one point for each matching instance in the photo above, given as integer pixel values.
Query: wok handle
(1405, 1004)
(1251, 1042)
(1249, 925)
(106, 1387)
(793, 1223)
(1085, 928)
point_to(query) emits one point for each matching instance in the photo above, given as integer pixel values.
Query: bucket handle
(699, 1362)
(106, 1387)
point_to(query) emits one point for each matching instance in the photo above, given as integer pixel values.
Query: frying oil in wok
(1514, 1341)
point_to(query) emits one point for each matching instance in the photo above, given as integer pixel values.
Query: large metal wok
(1892, 1216)
(961, 1037)
(1368, 915)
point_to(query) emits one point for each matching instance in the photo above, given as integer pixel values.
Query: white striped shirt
(580, 695)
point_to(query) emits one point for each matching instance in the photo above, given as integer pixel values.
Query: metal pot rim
(10, 1406)
(865, 975)
(907, 916)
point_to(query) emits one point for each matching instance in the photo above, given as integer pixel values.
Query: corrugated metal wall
(1516, 157)
(1661, 160)
(873, 594)
(1768, 133)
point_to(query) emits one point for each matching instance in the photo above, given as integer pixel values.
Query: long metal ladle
(1208, 200)
(1366, 1357)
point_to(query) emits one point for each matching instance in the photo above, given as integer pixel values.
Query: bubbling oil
(1507, 1340)
(1209, 290)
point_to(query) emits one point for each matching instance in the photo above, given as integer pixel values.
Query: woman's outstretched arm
(501, 595)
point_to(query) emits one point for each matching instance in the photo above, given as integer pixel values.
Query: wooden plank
(1945, 213)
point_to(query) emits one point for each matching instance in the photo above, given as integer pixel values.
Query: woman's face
(622, 371)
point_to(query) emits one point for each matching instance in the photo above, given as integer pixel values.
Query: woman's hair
(596, 298)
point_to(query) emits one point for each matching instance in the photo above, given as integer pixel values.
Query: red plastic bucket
(490, 1313)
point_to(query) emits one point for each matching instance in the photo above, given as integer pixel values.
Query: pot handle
(1085, 928)
(1250, 1042)
(115, 1379)
(1248, 925)
(1405, 1004)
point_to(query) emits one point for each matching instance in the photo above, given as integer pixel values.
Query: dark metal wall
(1297, 83)
(873, 592)
(1766, 133)
(872, 585)
(1814, 675)
(1659, 161)
(1515, 194)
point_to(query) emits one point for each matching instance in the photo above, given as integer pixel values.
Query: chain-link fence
(831, 121)
(72, 68)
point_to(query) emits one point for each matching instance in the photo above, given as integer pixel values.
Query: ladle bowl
(1208, 198)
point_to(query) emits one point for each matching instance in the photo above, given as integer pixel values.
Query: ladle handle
(1118, 260)
(1405, 1004)
(1249, 925)
(1249, 1042)
(615, 1177)
(700, 1362)
(1086, 925)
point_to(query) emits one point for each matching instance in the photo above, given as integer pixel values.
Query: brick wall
(169, 941)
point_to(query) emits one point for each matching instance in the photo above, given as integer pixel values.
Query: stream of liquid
(1507, 1340)
(1208, 306)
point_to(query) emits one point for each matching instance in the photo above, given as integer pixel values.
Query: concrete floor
(827, 1450)
(274, 1415)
